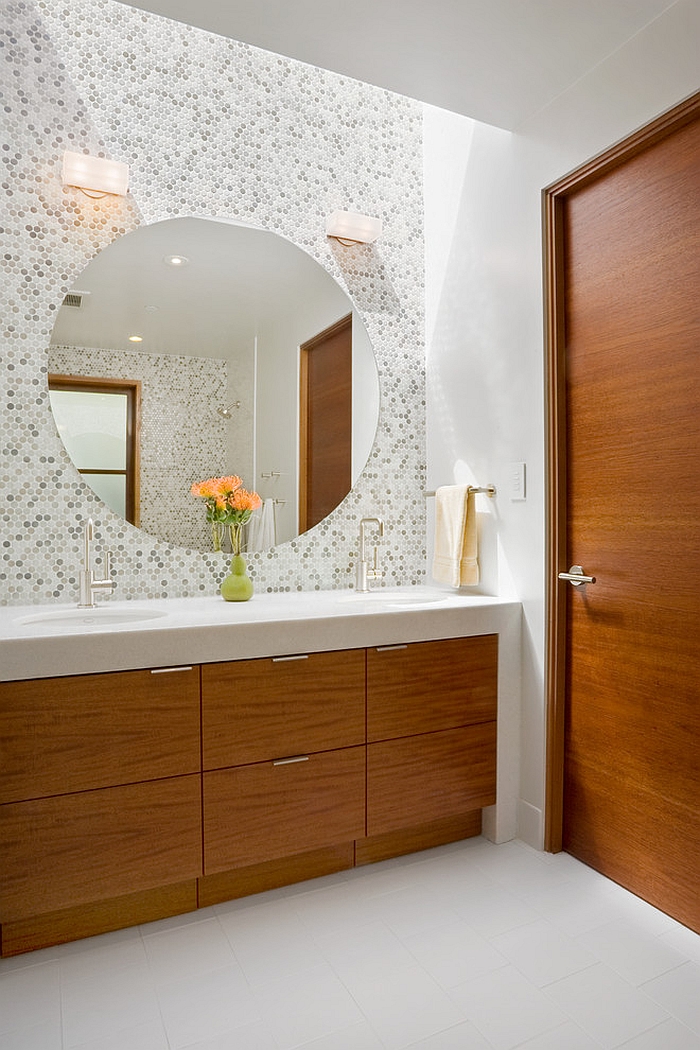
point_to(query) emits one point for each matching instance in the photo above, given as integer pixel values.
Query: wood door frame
(554, 199)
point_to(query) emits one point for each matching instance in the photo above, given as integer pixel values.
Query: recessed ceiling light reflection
(176, 260)
(135, 338)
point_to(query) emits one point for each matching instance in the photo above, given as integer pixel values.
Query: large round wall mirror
(194, 348)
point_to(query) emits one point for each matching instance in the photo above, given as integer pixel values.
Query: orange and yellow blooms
(228, 503)
(226, 499)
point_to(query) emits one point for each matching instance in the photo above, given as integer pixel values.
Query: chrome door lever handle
(576, 576)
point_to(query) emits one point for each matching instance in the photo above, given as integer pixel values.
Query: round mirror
(194, 348)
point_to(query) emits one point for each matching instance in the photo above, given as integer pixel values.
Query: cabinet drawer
(59, 735)
(429, 686)
(257, 709)
(67, 850)
(423, 778)
(264, 811)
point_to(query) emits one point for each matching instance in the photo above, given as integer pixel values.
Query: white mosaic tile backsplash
(211, 128)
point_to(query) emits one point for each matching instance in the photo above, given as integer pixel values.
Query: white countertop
(206, 630)
(183, 631)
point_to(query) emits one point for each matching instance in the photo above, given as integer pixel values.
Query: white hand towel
(261, 527)
(253, 534)
(268, 537)
(455, 557)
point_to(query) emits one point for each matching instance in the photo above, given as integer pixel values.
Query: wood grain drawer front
(428, 686)
(59, 735)
(418, 779)
(62, 851)
(254, 710)
(264, 811)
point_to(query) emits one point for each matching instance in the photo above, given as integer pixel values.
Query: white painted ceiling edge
(497, 61)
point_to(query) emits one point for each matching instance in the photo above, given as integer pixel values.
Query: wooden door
(624, 741)
(325, 442)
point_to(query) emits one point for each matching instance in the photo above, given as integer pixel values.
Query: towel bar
(490, 490)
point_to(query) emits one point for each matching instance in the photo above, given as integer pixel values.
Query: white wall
(484, 314)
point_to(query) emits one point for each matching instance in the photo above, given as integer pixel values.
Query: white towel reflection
(261, 527)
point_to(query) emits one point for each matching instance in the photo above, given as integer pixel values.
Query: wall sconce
(95, 176)
(349, 227)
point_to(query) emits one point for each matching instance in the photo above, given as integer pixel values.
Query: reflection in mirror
(98, 421)
(220, 344)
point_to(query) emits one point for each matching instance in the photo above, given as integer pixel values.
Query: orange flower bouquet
(229, 506)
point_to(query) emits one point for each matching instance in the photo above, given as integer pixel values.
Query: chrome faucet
(365, 571)
(88, 584)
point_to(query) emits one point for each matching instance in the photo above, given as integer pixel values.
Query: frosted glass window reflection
(111, 488)
(93, 428)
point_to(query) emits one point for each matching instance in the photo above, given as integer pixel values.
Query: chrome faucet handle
(375, 573)
(106, 583)
(108, 567)
(88, 584)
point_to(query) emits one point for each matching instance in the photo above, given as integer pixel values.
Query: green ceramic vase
(237, 586)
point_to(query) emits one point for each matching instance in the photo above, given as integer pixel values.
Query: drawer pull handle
(280, 659)
(290, 761)
(168, 670)
(390, 648)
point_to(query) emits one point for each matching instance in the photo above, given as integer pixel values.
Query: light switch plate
(516, 476)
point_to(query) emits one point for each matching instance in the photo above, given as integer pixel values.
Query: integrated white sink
(417, 599)
(92, 617)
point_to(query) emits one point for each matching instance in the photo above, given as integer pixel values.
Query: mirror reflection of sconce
(226, 412)
(95, 176)
(349, 227)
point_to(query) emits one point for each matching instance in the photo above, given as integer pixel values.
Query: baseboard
(530, 824)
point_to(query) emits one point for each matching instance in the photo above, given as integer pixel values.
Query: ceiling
(236, 280)
(498, 61)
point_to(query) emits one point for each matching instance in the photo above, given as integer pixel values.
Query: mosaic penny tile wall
(210, 128)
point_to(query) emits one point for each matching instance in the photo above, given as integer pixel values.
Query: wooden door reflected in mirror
(325, 421)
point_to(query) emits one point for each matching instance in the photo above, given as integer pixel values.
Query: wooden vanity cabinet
(254, 710)
(419, 779)
(427, 686)
(130, 796)
(279, 808)
(283, 745)
(431, 732)
(100, 800)
(86, 846)
(90, 731)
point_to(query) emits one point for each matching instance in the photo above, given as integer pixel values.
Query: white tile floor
(467, 947)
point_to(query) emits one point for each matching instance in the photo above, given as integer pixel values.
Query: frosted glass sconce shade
(349, 227)
(95, 174)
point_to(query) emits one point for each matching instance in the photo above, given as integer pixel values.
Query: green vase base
(237, 586)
